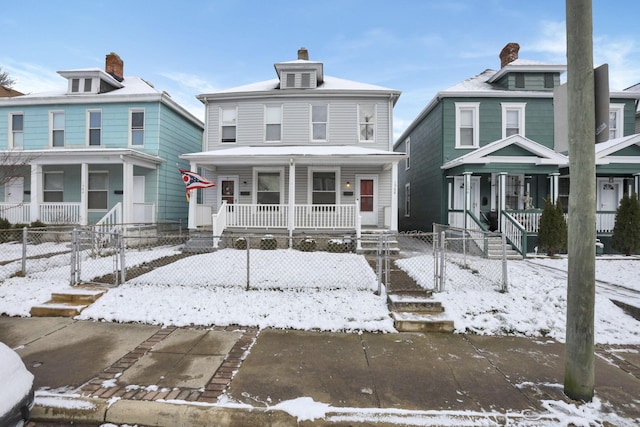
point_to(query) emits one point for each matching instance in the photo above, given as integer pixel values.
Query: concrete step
(68, 303)
(414, 304)
(422, 322)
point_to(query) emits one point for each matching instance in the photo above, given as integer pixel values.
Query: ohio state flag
(194, 181)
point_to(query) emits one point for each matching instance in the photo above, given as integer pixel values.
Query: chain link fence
(454, 255)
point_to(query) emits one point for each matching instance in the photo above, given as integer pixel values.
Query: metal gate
(90, 243)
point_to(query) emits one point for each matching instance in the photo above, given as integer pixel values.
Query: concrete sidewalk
(96, 372)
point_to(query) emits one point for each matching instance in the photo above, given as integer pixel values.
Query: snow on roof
(132, 86)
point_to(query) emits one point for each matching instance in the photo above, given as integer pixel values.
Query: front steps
(495, 248)
(68, 303)
(417, 311)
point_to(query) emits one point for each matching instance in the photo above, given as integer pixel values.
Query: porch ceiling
(299, 154)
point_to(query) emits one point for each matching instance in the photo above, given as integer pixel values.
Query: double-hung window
(17, 131)
(136, 121)
(319, 122)
(57, 128)
(53, 189)
(513, 118)
(268, 187)
(273, 123)
(98, 191)
(367, 122)
(324, 188)
(616, 121)
(467, 127)
(228, 118)
(95, 127)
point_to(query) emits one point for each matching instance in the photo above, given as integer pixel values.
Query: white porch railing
(605, 221)
(257, 216)
(219, 222)
(59, 213)
(325, 216)
(514, 231)
(530, 220)
(16, 213)
(111, 220)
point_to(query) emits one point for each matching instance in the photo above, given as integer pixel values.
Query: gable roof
(606, 151)
(7, 92)
(528, 152)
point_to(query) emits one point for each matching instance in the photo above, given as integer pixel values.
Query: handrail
(219, 222)
(515, 233)
(111, 220)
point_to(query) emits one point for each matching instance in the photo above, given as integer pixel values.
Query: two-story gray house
(485, 153)
(101, 150)
(303, 151)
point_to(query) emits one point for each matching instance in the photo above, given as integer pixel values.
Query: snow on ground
(325, 291)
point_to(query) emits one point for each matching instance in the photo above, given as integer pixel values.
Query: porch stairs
(495, 249)
(369, 238)
(413, 308)
(68, 303)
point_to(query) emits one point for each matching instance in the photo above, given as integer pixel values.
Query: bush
(4, 224)
(552, 234)
(308, 245)
(626, 231)
(336, 246)
(241, 243)
(268, 243)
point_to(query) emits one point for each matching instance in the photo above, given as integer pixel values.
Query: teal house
(485, 153)
(103, 150)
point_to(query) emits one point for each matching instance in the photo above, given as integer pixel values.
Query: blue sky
(190, 47)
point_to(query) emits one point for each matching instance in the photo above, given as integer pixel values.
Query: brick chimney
(114, 66)
(509, 53)
(303, 53)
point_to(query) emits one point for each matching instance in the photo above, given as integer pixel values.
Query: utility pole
(579, 348)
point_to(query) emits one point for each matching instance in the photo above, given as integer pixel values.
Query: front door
(457, 220)
(140, 211)
(228, 190)
(13, 190)
(609, 194)
(367, 193)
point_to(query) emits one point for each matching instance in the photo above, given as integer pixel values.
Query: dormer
(300, 74)
(522, 75)
(93, 80)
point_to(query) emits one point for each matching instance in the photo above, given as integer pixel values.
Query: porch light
(348, 184)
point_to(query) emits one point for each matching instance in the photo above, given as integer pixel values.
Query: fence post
(379, 265)
(74, 254)
(387, 256)
(25, 238)
(248, 263)
(442, 261)
(505, 281)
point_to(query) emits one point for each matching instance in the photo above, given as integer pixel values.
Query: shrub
(335, 245)
(552, 234)
(37, 224)
(268, 242)
(241, 243)
(4, 224)
(308, 245)
(626, 231)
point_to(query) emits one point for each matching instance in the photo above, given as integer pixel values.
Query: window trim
(475, 109)
(375, 122)
(267, 123)
(618, 109)
(520, 107)
(407, 199)
(13, 132)
(257, 171)
(407, 150)
(52, 114)
(89, 128)
(227, 124)
(312, 123)
(44, 183)
(105, 190)
(335, 169)
(131, 129)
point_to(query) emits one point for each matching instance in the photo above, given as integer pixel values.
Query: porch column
(36, 191)
(554, 180)
(292, 197)
(84, 194)
(502, 198)
(394, 197)
(636, 184)
(191, 222)
(127, 193)
(467, 196)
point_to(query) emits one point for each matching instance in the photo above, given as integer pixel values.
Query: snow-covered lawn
(323, 291)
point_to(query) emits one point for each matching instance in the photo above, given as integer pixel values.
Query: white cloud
(32, 78)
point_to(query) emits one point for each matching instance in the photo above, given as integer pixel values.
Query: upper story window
(95, 127)
(305, 80)
(228, 118)
(273, 123)
(319, 122)
(290, 80)
(407, 150)
(16, 130)
(512, 118)
(367, 122)
(616, 121)
(136, 131)
(53, 189)
(467, 124)
(57, 128)
(85, 84)
(407, 199)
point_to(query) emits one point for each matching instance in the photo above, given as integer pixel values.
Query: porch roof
(300, 154)
(72, 156)
(611, 151)
(532, 153)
